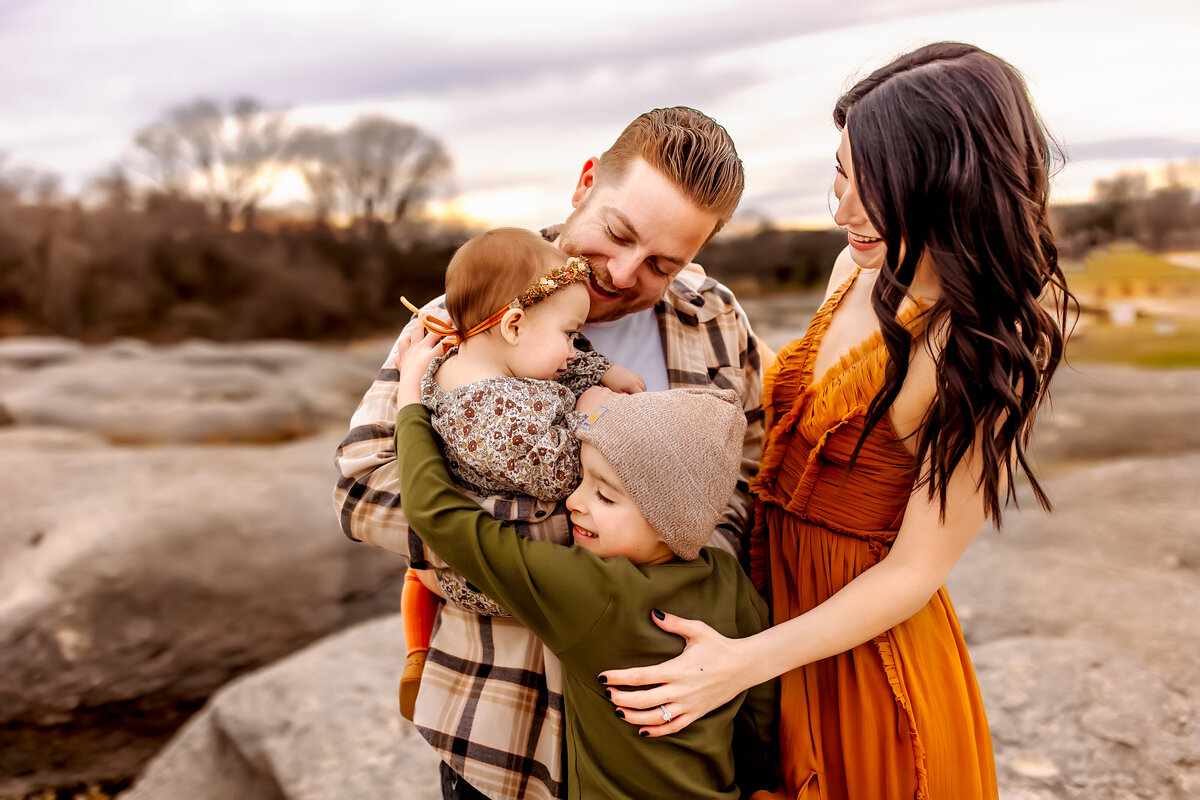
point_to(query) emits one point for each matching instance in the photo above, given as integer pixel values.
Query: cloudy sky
(522, 92)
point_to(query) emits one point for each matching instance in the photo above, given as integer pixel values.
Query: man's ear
(587, 181)
(510, 325)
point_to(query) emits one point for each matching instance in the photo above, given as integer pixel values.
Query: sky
(521, 93)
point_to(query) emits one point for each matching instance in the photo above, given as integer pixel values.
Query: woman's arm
(712, 669)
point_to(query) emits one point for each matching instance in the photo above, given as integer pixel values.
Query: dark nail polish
(620, 713)
(643, 733)
(608, 693)
(659, 615)
(602, 679)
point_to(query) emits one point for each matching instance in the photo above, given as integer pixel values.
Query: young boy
(658, 469)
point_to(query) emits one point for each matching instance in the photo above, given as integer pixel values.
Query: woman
(895, 428)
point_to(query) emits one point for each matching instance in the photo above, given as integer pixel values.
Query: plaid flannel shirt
(491, 695)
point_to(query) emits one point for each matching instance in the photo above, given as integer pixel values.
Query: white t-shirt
(633, 342)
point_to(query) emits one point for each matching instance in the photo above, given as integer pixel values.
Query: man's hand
(593, 398)
(414, 353)
(623, 380)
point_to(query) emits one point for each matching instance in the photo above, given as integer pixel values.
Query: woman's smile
(862, 242)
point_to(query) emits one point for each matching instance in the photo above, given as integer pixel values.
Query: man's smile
(601, 288)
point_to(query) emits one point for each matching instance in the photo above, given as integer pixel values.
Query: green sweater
(595, 615)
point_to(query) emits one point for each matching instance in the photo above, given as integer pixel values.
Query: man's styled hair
(690, 150)
(493, 268)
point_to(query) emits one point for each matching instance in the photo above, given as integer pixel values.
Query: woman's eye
(838, 169)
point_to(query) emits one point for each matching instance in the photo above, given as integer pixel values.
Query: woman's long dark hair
(952, 161)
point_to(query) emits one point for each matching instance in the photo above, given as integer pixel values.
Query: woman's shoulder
(843, 268)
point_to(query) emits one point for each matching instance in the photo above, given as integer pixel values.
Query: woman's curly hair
(952, 161)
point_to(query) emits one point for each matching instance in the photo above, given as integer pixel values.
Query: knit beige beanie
(677, 453)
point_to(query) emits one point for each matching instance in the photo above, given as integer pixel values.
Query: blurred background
(209, 212)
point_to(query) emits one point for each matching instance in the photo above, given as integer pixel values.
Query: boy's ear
(510, 325)
(587, 181)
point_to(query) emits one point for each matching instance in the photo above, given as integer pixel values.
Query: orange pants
(418, 609)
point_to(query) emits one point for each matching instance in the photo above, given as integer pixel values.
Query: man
(491, 696)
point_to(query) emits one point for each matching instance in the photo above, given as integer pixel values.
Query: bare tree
(313, 152)
(379, 169)
(160, 156)
(230, 157)
(29, 184)
(113, 188)
(1121, 200)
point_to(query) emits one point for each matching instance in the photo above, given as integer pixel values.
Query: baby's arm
(588, 368)
(623, 380)
(585, 370)
(544, 585)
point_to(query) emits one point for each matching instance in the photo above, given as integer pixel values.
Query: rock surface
(1103, 412)
(197, 392)
(1075, 718)
(320, 725)
(1118, 562)
(135, 582)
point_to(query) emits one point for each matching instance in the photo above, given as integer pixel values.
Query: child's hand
(622, 380)
(414, 352)
(593, 398)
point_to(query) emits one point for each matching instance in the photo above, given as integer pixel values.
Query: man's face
(637, 231)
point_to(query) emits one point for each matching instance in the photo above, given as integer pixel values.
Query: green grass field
(1113, 266)
(1138, 344)
(1126, 272)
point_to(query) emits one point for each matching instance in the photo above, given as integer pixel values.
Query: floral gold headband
(577, 269)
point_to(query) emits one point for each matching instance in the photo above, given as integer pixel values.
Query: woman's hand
(706, 675)
(415, 350)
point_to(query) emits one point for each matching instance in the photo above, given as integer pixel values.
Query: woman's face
(866, 247)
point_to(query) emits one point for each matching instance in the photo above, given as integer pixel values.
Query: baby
(658, 470)
(503, 398)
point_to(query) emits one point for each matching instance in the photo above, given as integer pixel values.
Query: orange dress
(899, 716)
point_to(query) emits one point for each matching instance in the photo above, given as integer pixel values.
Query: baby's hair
(493, 268)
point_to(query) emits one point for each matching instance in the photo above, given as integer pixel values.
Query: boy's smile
(578, 532)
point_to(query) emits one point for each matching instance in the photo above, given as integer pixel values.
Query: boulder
(1073, 718)
(32, 352)
(195, 392)
(135, 582)
(322, 724)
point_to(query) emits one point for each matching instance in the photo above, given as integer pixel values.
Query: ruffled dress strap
(794, 363)
(786, 381)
